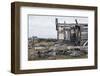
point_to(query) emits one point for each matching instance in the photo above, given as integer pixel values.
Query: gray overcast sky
(44, 26)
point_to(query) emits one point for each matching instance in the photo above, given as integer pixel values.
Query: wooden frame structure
(70, 28)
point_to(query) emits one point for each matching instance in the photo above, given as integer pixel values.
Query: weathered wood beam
(56, 21)
(84, 24)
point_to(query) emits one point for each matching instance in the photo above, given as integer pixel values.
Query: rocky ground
(53, 49)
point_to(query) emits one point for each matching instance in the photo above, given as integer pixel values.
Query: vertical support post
(77, 32)
(56, 21)
(64, 31)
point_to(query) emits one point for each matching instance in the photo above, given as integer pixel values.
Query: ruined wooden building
(76, 32)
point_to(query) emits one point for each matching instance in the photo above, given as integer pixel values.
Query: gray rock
(75, 53)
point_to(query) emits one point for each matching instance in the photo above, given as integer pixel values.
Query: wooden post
(56, 21)
(78, 32)
(64, 31)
